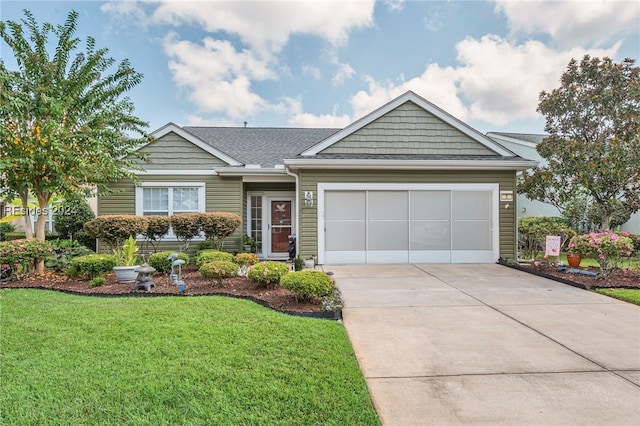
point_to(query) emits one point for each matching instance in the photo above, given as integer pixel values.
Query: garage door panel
(388, 235)
(388, 205)
(430, 235)
(345, 205)
(430, 205)
(471, 205)
(345, 235)
(471, 235)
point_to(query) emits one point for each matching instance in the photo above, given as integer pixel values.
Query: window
(168, 198)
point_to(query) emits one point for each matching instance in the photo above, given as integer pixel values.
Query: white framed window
(169, 198)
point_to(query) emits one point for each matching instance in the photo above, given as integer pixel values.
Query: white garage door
(381, 223)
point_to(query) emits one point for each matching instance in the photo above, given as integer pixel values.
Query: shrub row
(115, 229)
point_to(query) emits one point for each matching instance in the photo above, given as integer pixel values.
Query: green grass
(68, 359)
(626, 294)
(586, 261)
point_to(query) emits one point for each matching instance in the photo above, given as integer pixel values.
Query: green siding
(309, 182)
(221, 194)
(173, 152)
(411, 130)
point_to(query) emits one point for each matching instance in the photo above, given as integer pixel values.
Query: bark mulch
(279, 299)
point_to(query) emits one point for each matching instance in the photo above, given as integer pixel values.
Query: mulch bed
(618, 279)
(279, 298)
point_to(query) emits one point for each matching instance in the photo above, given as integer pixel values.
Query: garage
(408, 223)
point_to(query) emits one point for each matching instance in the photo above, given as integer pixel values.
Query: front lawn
(172, 360)
(630, 295)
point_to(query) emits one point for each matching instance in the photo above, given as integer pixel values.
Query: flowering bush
(635, 240)
(18, 257)
(268, 273)
(605, 247)
(245, 260)
(219, 270)
(333, 302)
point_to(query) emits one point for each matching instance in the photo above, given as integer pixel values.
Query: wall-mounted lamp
(308, 198)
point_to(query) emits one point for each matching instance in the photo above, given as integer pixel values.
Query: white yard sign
(552, 247)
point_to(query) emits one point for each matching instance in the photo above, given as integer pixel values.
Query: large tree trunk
(28, 229)
(43, 202)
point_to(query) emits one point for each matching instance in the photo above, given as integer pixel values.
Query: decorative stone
(144, 280)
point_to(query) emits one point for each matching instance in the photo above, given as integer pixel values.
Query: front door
(280, 225)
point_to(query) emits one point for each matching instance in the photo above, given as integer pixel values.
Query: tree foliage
(593, 147)
(65, 125)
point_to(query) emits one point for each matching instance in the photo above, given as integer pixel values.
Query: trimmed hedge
(186, 226)
(157, 228)
(308, 284)
(217, 226)
(91, 265)
(218, 270)
(205, 256)
(268, 273)
(115, 229)
(161, 263)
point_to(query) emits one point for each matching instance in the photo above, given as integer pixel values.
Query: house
(524, 145)
(406, 183)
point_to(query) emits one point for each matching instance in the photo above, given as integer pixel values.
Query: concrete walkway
(486, 344)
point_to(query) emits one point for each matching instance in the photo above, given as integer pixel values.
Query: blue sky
(326, 64)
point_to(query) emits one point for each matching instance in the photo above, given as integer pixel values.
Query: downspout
(297, 227)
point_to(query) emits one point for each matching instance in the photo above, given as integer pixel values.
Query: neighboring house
(525, 146)
(406, 183)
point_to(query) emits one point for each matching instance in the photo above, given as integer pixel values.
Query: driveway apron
(486, 344)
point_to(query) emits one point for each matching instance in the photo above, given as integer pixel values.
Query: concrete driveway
(486, 344)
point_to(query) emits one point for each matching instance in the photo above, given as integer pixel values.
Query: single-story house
(524, 145)
(406, 183)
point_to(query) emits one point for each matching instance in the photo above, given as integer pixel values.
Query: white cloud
(394, 5)
(496, 82)
(267, 26)
(299, 118)
(573, 23)
(214, 72)
(344, 73)
(314, 72)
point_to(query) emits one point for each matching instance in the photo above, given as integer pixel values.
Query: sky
(327, 64)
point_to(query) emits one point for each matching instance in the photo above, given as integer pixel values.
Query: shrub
(91, 265)
(205, 256)
(62, 253)
(19, 257)
(308, 284)
(245, 260)
(157, 228)
(268, 273)
(6, 228)
(217, 226)
(186, 226)
(115, 229)
(71, 215)
(534, 230)
(635, 241)
(218, 270)
(98, 281)
(607, 248)
(161, 263)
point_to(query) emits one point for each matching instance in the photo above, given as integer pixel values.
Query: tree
(65, 126)
(593, 147)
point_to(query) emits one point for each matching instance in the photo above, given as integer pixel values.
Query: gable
(410, 130)
(173, 152)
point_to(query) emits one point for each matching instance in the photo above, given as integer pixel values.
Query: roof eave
(410, 164)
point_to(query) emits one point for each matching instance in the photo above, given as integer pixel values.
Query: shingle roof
(266, 146)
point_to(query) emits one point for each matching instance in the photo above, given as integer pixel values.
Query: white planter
(309, 264)
(126, 274)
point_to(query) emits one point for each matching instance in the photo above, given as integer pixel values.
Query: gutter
(297, 200)
(313, 163)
